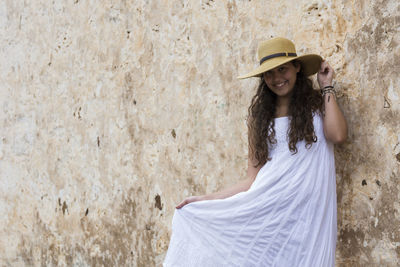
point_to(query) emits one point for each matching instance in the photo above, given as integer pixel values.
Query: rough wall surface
(113, 111)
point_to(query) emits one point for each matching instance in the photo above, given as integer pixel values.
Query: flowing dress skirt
(286, 218)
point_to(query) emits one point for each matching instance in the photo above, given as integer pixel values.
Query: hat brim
(310, 65)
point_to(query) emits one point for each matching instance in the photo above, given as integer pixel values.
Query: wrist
(325, 83)
(329, 89)
(205, 197)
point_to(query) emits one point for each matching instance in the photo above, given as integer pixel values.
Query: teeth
(280, 84)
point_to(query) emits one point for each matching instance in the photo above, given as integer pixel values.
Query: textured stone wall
(113, 111)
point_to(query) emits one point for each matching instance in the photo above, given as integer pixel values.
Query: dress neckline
(284, 117)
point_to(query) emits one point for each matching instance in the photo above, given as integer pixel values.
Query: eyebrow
(280, 66)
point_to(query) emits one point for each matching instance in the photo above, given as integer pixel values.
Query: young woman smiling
(284, 212)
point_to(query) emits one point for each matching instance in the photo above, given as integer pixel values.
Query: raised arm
(335, 126)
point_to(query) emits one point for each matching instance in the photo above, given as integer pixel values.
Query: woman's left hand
(325, 74)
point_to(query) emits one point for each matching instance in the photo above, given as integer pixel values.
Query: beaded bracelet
(328, 89)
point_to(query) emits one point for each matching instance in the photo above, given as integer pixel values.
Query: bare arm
(335, 126)
(241, 186)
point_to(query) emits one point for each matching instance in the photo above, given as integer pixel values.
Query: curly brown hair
(304, 102)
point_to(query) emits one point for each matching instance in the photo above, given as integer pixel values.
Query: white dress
(286, 218)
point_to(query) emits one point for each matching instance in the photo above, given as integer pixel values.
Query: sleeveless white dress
(286, 218)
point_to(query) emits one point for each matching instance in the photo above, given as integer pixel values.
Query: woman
(284, 213)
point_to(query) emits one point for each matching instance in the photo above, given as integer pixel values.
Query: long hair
(303, 103)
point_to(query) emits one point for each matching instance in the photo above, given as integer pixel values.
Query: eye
(282, 69)
(267, 74)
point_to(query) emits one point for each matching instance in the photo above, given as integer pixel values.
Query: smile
(281, 84)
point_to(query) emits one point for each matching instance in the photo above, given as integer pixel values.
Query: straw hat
(278, 51)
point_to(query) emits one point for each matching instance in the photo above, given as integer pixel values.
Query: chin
(282, 93)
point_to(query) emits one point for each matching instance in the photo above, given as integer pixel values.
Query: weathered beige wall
(113, 111)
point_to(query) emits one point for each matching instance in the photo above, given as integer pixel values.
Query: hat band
(278, 55)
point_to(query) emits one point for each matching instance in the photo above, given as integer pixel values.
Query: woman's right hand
(190, 200)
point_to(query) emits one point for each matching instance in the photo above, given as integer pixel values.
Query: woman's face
(281, 80)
